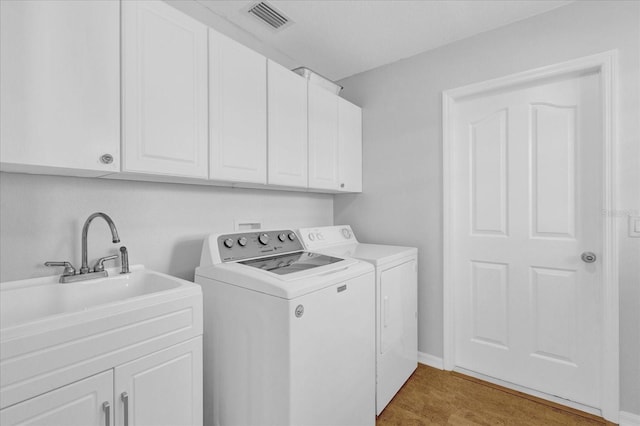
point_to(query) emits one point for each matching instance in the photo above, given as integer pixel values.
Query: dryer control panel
(248, 245)
(327, 236)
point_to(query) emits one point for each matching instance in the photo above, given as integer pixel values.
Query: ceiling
(339, 38)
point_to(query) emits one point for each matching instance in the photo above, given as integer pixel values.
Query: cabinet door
(238, 111)
(287, 140)
(349, 146)
(82, 403)
(60, 86)
(164, 91)
(164, 388)
(323, 138)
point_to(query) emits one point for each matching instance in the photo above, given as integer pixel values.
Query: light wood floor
(435, 397)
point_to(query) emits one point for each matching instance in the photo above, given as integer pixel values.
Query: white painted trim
(629, 419)
(606, 65)
(430, 360)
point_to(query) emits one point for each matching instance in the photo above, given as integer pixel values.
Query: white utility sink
(39, 298)
(53, 333)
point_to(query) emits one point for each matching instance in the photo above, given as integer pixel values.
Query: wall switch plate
(634, 226)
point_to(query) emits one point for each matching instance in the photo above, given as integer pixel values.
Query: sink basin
(52, 334)
(39, 298)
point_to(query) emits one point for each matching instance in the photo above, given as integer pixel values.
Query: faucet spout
(85, 231)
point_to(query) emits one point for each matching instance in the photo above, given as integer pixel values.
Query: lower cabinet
(163, 388)
(88, 402)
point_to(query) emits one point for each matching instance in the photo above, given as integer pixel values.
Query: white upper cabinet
(287, 134)
(60, 87)
(349, 146)
(238, 111)
(164, 91)
(323, 138)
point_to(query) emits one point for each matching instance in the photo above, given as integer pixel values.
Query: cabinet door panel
(77, 404)
(164, 388)
(323, 138)
(164, 91)
(287, 112)
(60, 85)
(350, 146)
(238, 102)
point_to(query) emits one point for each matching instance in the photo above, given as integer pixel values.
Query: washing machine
(396, 302)
(289, 335)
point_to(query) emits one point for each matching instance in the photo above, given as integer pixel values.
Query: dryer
(396, 288)
(289, 335)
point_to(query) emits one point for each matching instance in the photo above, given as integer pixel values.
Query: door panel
(83, 403)
(323, 138)
(553, 295)
(164, 91)
(553, 140)
(490, 303)
(488, 163)
(60, 84)
(238, 111)
(527, 202)
(164, 388)
(287, 127)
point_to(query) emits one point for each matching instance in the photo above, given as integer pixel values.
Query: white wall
(402, 199)
(163, 225)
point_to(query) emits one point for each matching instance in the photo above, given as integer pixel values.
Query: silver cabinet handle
(124, 397)
(588, 257)
(106, 407)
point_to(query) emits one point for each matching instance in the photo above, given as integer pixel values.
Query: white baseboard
(629, 419)
(431, 360)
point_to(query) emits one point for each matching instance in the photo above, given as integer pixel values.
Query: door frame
(604, 64)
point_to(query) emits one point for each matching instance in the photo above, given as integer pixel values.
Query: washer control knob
(311, 236)
(263, 239)
(346, 233)
(282, 237)
(242, 241)
(292, 236)
(228, 243)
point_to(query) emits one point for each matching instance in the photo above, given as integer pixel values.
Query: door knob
(588, 257)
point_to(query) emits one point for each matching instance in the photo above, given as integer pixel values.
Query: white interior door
(527, 196)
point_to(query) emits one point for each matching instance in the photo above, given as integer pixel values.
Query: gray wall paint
(402, 149)
(163, 225)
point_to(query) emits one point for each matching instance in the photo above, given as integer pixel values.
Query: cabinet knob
(342, 185)
(106, 159)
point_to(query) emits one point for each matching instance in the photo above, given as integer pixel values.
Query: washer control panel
(247, 245)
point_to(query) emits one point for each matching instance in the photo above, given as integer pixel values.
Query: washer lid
(289, 263)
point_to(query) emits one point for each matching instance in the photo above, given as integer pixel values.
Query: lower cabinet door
(164, 388)
(88, 402)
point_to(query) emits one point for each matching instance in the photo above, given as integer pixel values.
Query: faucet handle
(68, 267)
(99, 266)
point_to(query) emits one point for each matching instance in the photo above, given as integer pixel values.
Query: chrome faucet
(85, 231)
(85, 273)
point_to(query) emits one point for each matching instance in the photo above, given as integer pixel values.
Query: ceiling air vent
(269, 15)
